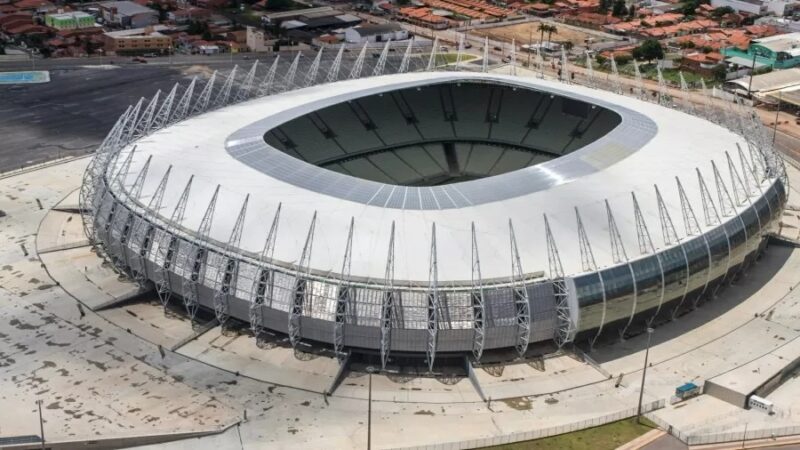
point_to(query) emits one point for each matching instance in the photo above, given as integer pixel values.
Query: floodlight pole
(370, 369)
(41, 422)
(644, 374)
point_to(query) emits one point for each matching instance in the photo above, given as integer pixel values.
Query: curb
(44, 165)
(643, 440)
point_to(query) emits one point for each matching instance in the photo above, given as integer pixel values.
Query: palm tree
(543, 27)
(550, 30)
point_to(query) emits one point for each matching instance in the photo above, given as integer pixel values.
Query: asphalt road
(789, 146)
(77, 63)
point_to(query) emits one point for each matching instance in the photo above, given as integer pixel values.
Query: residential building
(138, 41)
(784, 23)
(375, 33)
(260, 41)
(754, 7)
(212, 4)
(424, 17)
(760, 86)
(128, 14)
(35, 6)
(701, 63)
(69, 20)
(780, 51)
(191, 14)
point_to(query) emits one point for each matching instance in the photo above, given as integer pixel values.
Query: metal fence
(744, 435)
(728, 436)
(542, 432)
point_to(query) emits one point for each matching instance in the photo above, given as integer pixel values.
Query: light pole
(41, 422)
(777, 116)
(644, 374)
(370, 370)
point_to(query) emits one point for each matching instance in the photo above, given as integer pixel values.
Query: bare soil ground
(525, 32)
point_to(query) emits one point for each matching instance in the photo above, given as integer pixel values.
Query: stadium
(430, 215)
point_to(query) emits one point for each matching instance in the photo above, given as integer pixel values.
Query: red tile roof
(27, 28)
(31, 4)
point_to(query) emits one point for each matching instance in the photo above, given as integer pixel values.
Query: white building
(375, 33)
(128, 14)
(260, 41)
(756, 7)
(208, 49)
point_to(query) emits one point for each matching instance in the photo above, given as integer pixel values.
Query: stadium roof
(651, 146)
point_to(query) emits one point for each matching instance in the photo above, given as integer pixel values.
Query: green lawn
(604, 437)
(450, 58)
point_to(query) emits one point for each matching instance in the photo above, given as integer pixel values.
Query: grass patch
(648, 71)
(604, 437)
(450, 58)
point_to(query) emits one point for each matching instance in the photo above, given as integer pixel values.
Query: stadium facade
(433, 212)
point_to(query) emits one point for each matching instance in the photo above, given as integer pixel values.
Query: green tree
(622, 59)
(279, 5)
(632, 11)
(649, 50)
(719, 72)
(604, 5)
(721, 11)
(196, 27)
(619, 9)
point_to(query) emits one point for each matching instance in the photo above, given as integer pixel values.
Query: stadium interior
(442, 133)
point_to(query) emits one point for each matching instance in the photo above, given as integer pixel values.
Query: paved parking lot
(71, 114)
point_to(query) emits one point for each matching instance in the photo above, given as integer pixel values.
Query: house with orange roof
(701, 63)
(35, 6)
(591, 20)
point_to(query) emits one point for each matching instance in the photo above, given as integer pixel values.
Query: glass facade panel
(697, 253)
(674, 264)
(414, 308)
(589, 292)
(763, 209)
(499, 304)
(456, 311)
(736, 234)
(368, 307)
(619, 293)
(718, 242)
(321, 303)
(282, 291)
(648, 283)
(750, 219)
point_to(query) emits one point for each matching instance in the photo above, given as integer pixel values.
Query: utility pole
(744, 436)
(777, 114)
(644, 374)
(530, 44)
(41, 422)
(752, 69)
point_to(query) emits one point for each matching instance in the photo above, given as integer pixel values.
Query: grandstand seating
(442, 133)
